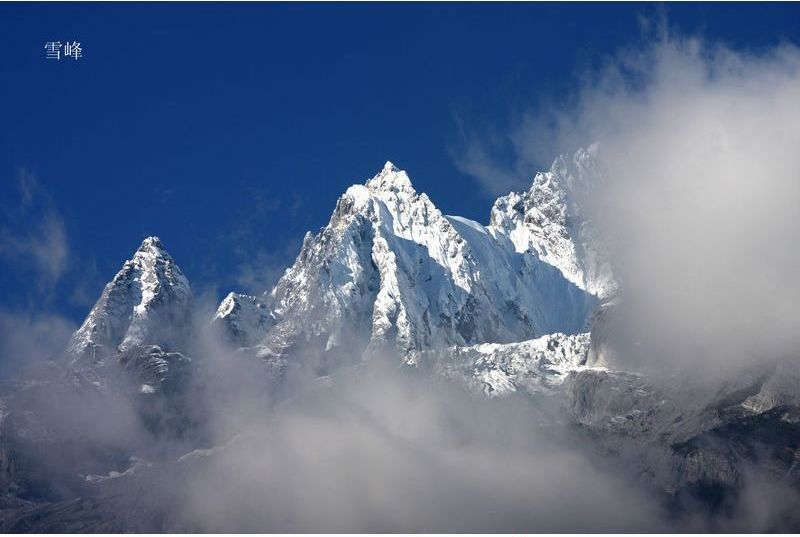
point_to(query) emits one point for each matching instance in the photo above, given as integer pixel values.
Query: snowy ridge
(391, 270)
(548, 220)
(537, 365)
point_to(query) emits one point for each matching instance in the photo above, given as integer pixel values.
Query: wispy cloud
(33, 235)
(262, 270)
(476, 154)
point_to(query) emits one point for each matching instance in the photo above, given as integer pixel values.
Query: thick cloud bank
(698, 144)
(377, 451)
(701, 200)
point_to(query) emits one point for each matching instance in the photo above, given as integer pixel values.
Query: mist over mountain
(411, 371)
(610, 345)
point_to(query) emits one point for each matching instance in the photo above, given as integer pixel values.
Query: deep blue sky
(230, 129)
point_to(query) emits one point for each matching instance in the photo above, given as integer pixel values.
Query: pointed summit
(391, 178)
(549, 220)
(152, 241)
(147, 299)
(154, 245)
(152, 248)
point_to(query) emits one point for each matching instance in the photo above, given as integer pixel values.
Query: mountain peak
(391, 178)
(574, 171)
(146, 298)
(151, 242)
(550, 220)
(152, 246)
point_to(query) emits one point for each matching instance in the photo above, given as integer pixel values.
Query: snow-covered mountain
(391, 269)
(549, 219)
(521, 307)
(139, 321)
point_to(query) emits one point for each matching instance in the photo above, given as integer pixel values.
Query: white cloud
(699, 147)
(33, 234)
(703, 178)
